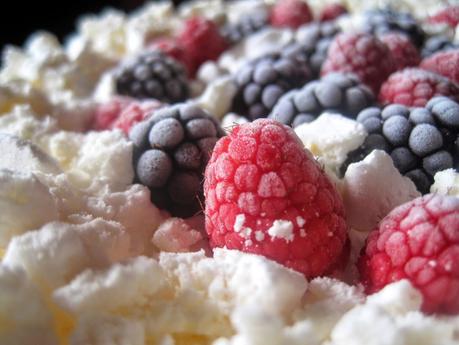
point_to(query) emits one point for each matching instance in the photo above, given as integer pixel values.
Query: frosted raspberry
(290, 13)
(107, 113)
(123, 113)
(414, 87)
(135, 113)
(445, 63)
(403, 51)
(332, 11)
(201, 41)
(267, 195)
(449, 16)
(362, 54)
(418, 241)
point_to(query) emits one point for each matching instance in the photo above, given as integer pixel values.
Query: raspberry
(172, 48)
(361, 54)
(404, 52)
(445, 63)
(418, 241)
(332, 11)
(201, 40)
(123, 113)
(415, 86)
(135, 113)
(107, 113)
(266, 195)
(290, 13)
(449, 16)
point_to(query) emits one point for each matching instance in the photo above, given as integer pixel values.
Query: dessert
(147, 198)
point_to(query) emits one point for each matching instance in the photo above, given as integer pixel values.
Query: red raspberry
(123, 113)
(135, 113)
(332, 11)
(201, 40)
(449, 16)
(445, 63)
(418, 241)
(404, 52)
(107, 113)
(415, 86)
(290, 13)
(265, 194)
(362, 54)
(173, 48)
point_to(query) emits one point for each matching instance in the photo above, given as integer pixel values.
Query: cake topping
(153, 75)
(294, 212)
(418, 241)
(172, 148)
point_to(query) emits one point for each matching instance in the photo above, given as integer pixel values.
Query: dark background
(21, 18)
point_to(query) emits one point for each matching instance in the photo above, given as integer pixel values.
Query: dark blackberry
(436, 44)
(421, 141)
(382, 21)
(171, 150)
(263, 81)
(153, 75)
(335, 92)
(311, 44)
(247, 25)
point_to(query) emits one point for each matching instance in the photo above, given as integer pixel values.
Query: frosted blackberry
(421, 141)
(382, 21)
(171, 150)
(436, 44)
(247, 25)
(311, 44)
(335, 92)
(153, 75)
(263, 81)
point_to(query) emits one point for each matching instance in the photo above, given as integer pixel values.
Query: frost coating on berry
(266, 195)
(359, 53)
(171, 150)
(415, 86)
(446, 183)
(418, 241)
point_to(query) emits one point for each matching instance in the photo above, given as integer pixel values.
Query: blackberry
(335, 92)
(311, 44)
(263, 81)
(247, 25)
(153, 75)
(382, 21)
(436, 44)
(171, 150)
(421, 141)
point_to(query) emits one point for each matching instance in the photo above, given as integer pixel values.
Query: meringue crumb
(300, 221)
(259, 236)
(281, 229)
(239, 222)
